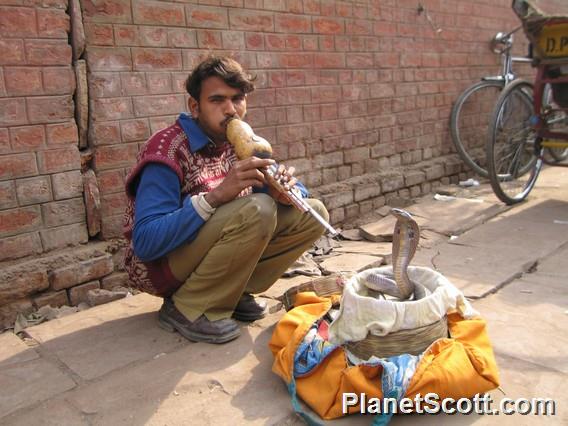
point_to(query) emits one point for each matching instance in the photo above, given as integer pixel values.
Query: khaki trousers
(245, 246)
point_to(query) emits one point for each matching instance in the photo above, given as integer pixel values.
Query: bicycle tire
(473, 157)
(512, 149)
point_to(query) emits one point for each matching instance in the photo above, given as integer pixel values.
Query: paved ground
(112, 364)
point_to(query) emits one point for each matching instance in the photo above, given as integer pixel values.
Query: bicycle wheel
(470, 120)
(514, 159)
(556, 119)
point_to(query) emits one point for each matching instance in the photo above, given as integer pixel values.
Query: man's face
(217, 102)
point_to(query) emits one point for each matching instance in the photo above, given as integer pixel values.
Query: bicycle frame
(507, 75)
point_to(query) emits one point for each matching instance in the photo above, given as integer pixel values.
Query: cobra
(405, 239)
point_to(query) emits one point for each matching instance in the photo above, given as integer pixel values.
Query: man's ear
(193, 106)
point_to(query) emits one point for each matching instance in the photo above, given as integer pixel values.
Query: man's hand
(287, 180)
(243, 174)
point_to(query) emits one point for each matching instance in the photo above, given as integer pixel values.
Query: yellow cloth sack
(456, 367)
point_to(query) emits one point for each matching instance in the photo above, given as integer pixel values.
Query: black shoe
(249, 309)
(200, 330)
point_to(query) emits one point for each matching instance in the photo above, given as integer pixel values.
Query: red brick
(62, 133)
(111, 181)
(99, 34)
(293, 24)
(48, 52)
(52, 23)
(20, 246)
(117, 279)
(297, 60)
(27, 138)
(158, 105)
(81, 272)
(113, 204)
(50, 109)
(59, 160)
(64, 212)
(34, 190)
(126, 35)
(387, 60)
(251, 20)
(109, 59)
(275, 42)
(112, 108)
(287, 96)
(182, 37)
(64, 236)
(329, 60)
(104, 85)
(16, 221)
(58, 81)
(110, 11)
(233, 40)
(135, 130)
(110, 157)
(207, 17)
(54, 299)
(23, 81)
(156, 59)
(254, 41)
(79, 294)
(12, 52)
(279, 5)
(112, 227)
(22, 283)
(158, 13)
(328, 26)
(12, 112)
(105, 133)
(133, 83)
(159, 82)
(207, 39)
(18, 22)
(67, 185)
(7, 195)
(153, 36)
(17, 165)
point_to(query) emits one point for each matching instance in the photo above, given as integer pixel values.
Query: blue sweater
(163, 220)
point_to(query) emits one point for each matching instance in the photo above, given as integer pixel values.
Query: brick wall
(355, 94)
(41, 205)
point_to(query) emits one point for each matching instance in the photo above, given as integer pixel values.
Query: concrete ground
(112, 364)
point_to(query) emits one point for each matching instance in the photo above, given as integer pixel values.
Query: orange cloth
(456, 367)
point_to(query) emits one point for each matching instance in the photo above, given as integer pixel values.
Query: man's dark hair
(229, 70)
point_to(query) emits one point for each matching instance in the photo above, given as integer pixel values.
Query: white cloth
(360, 314)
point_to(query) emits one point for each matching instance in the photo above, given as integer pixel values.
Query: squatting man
(204, 230)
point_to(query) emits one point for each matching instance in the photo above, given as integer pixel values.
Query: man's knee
(262, 211)
(318, 206)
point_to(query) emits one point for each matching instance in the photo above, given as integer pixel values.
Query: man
(204, 232)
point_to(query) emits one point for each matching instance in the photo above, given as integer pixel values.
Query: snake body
(404, 243)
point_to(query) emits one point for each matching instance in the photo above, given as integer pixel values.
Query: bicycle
(471, 111)
(531, 117)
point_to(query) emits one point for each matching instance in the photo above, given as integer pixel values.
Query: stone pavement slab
(27, 383)
(492, 254)
(351, 262)
(455, 216)
(524, 315)
(125, 329)
(13, 350)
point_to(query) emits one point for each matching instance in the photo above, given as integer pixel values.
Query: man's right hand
(243, 174)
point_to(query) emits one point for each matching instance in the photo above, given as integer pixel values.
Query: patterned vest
(198, 172)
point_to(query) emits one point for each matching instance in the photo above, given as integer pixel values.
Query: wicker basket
(414, 341)
(324, 287)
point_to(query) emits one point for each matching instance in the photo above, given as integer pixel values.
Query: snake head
(401, 214)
